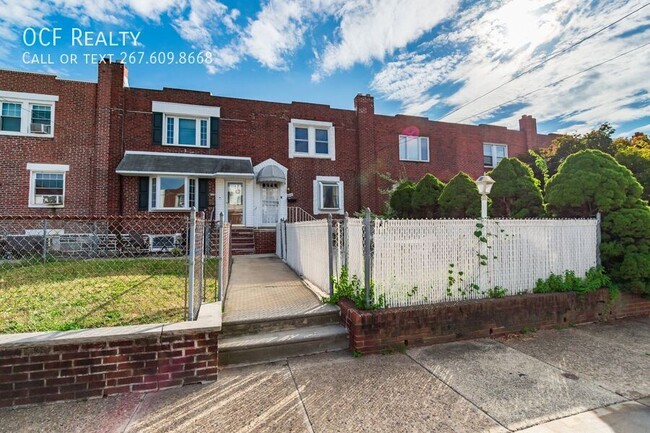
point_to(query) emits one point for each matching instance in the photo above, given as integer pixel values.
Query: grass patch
(65, 295)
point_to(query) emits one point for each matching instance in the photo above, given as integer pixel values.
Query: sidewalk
(592, 379)
(263, 287)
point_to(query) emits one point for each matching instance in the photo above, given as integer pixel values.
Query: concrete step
(243, 251)
(325, 314)
(279, 345)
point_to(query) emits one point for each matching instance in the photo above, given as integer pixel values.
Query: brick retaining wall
(46, 367)
(391, 328)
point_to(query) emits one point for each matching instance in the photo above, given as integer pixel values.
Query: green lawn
(65, 295)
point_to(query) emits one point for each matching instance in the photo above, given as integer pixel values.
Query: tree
(400, 199)
(516, 193)
(562, 147)
(625, 247)
(589, 182)
(538, 164)
(460, 198)
(634, 153)
(424, 201)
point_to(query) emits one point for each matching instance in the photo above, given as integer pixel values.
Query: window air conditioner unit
(53, 200)
(39, 128)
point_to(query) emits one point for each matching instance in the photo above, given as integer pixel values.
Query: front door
(270, 203)
(235, 203)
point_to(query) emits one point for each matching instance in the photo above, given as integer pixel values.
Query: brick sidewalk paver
(263, 287)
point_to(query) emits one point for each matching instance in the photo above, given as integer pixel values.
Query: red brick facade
(39, 372)
(96, 123)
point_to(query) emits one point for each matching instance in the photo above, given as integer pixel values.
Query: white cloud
(500, 40)
(371, 29)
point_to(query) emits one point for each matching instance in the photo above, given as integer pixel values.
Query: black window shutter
(157, 128)
(203, 194)
(214, 132)
(143, 194)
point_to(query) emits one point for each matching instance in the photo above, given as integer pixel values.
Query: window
(413, 148)
(41, 119)
(163, 243)
(173, 193)
(27, 114)
(47, 185)
(493, 154)
(181, 131)
(328, 195)
(170, 130)
(311, 139)
(185, 124)
(11, 113)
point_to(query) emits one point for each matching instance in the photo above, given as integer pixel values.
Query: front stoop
(268, 340)
(242, 240)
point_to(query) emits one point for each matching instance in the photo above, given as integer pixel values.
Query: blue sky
(439, 59)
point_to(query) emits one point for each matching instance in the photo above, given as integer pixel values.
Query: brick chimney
(528, 125)
(111, 81)
(365, 108)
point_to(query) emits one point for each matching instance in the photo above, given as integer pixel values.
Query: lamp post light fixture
(484, 184)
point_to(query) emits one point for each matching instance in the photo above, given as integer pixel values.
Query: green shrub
(424, 200)
(516, 193)
(496, 292)
(625, 247)
(569, 282)
(354, 290)
(589, 182)
(460, 198)
(592, 181)
(400, 199)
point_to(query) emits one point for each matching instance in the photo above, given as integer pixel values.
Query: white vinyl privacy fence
(415, 262)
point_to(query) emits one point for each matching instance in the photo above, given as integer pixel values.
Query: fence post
(192, 255)
(367, 254)
(330, 252)
(281, 237)
(286, 245)
(220, 257)
(44, 241)
(599, 219)
(346, 238)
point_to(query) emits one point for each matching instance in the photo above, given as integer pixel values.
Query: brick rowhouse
(96, 124)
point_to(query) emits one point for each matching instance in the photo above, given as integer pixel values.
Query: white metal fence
(428, 261)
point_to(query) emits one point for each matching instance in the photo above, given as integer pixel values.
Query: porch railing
(297, 215)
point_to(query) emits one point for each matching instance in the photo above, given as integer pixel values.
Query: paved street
(593, 378)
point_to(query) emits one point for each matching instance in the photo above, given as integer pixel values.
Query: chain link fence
(61, 273)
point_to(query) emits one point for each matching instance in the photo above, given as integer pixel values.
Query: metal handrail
(297, 214)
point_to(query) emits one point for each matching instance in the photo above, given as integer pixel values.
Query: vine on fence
(455, 278)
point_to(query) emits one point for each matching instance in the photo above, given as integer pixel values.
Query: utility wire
(551, 57)
(557, 82)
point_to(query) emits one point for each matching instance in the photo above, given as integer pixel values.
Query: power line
(551, 57)
(557, 82)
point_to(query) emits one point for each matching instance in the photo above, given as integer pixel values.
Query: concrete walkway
(263, 287)
(591, 379)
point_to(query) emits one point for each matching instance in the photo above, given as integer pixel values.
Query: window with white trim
(413, 148)
(311, 139)
(328, 195)
(493, 154)
(27, 114)
(173, 193)
(184, 131)
(47, 185)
